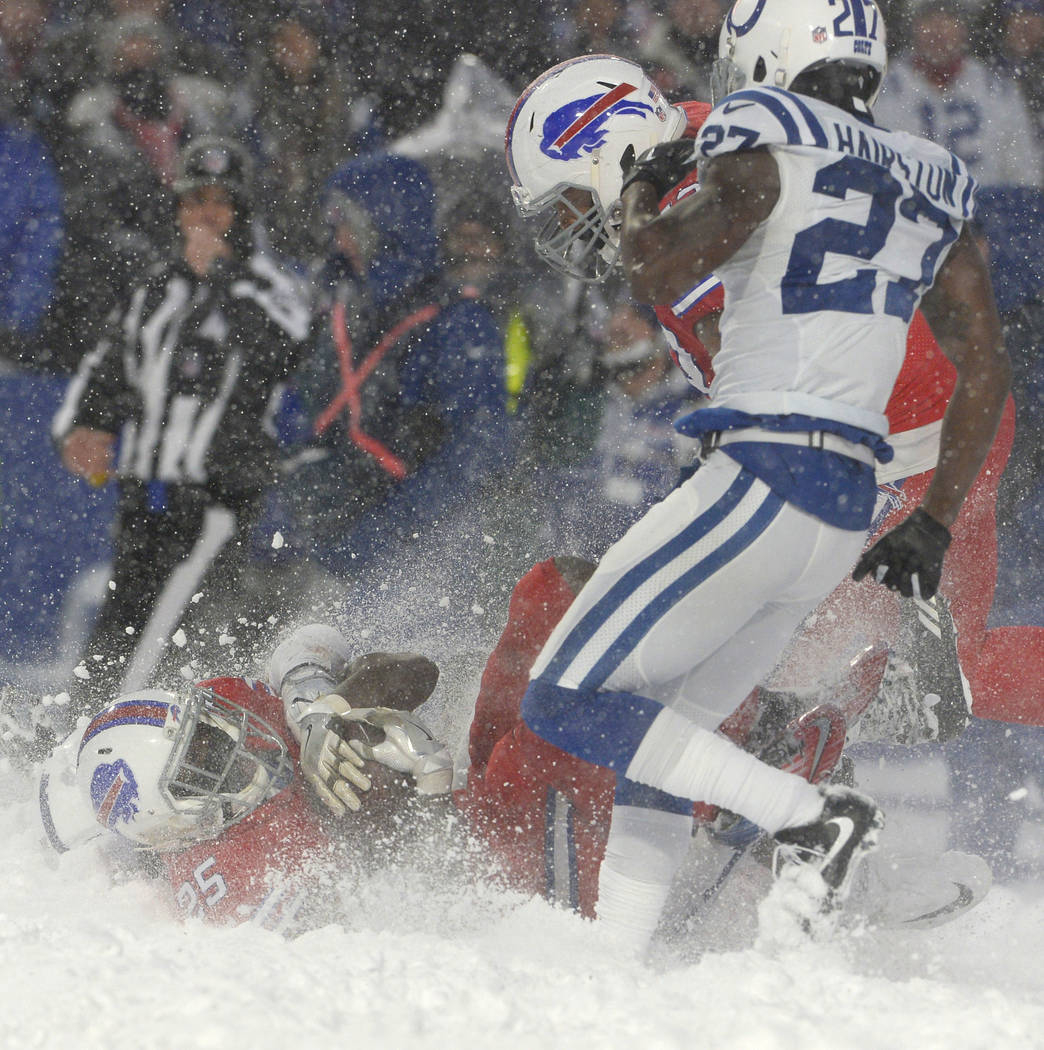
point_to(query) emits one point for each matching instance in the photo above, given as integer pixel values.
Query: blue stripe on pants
(682, 586)
(606, 727)
(603, 609)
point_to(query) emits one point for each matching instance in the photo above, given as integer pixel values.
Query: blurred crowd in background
(386, 120)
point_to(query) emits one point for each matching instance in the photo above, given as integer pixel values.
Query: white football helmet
(570, 129)
(166, 771)
(774, 41)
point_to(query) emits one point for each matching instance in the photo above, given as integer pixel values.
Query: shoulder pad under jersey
(761, 116)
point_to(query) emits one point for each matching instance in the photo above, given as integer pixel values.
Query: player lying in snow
(220, 783)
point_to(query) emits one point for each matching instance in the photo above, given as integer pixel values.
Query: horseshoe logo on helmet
(748, 25)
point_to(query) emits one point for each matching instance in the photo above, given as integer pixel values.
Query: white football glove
(329, 765)
(407, 747)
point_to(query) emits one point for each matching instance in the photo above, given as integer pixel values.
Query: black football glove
(663, 166)
(909, 558)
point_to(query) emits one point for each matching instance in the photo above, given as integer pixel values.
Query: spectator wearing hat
(404, 389)
(118, 160)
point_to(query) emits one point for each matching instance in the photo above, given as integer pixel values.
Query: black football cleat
(833, 845)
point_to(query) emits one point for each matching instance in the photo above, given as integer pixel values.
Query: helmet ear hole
(760, 70)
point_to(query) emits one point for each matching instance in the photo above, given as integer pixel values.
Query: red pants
(543, 813)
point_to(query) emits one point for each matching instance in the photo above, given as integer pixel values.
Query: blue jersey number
(856, 11)
(803, 293)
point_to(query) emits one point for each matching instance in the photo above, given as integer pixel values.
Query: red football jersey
(261, 870)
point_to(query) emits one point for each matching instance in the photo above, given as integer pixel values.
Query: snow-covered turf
(428, 961)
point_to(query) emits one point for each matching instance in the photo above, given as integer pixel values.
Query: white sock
(644, 850)
(681, 758)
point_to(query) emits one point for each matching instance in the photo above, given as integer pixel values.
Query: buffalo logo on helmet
(114, 793)
(579, 126)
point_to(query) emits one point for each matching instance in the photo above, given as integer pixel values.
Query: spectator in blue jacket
(404, 391)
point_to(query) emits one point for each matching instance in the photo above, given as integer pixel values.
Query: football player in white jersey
(827, 234)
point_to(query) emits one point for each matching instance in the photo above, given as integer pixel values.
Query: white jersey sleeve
(819, 298)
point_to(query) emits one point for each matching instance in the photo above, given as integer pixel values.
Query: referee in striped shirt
(176, 404)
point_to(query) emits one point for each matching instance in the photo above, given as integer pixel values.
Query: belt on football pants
(823, 439)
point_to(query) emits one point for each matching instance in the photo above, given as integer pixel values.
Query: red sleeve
(695, 114)
(679, 322)
(679, 319)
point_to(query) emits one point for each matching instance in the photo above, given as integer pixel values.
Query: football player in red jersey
(211, 784)
(237, 788)
(249, 795)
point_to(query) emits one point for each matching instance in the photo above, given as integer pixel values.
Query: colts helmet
(571, 129)
(773, 42)
(165, 771)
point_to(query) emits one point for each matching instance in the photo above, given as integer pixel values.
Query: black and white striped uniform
(189, 376)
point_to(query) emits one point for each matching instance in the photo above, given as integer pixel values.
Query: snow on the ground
(427, 963)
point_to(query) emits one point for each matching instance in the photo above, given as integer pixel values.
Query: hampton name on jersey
(863, 222)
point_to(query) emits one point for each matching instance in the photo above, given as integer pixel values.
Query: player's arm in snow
(341, 713)
(304, 671)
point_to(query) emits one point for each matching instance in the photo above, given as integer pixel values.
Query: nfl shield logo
(820, 35)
